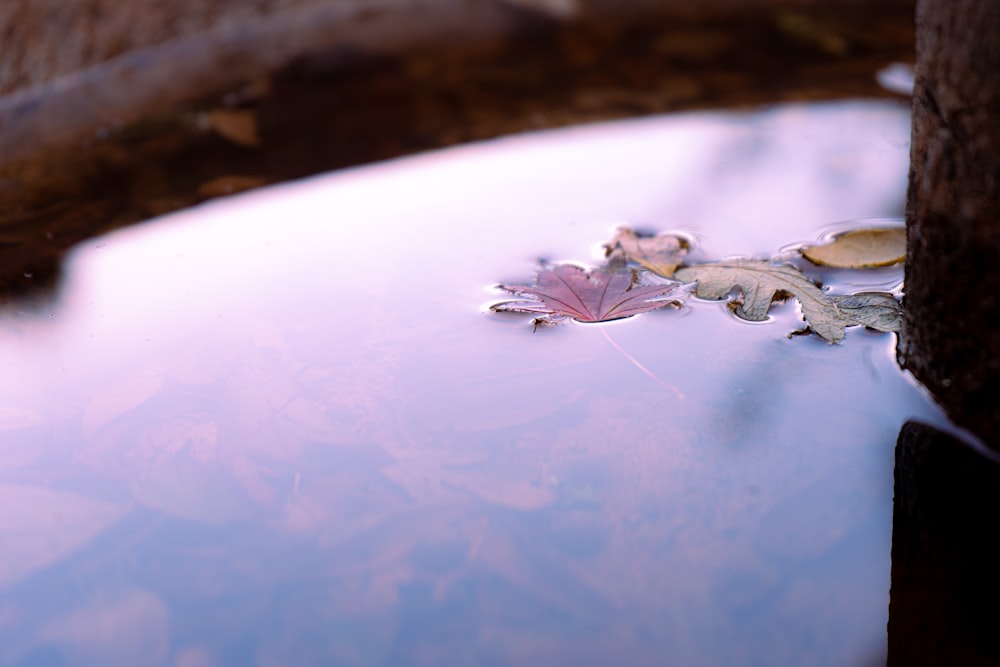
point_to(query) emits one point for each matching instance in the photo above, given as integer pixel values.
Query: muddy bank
(294, 89)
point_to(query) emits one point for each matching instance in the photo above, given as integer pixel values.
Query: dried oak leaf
(875, 310)
(861, 249)
(760, 283)
(597, 295)
(661, 254)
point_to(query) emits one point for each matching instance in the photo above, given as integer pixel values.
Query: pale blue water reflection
(282, 429)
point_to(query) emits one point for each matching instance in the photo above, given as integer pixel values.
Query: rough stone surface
(945, 580)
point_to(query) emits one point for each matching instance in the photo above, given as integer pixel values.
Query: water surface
(283, 428)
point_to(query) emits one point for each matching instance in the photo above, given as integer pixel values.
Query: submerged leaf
(41, 526)
(661, 254)
(875, 310)
(861, 249)
(760, 283)
(597, 295)
(121, 398)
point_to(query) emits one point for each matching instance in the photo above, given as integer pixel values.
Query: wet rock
(945, 580)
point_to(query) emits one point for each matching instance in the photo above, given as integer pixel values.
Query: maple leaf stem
(635, 362)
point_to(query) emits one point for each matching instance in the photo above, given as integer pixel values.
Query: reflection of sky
(462, 215)
(310, 367)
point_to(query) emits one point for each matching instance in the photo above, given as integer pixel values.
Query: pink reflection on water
(307, 370)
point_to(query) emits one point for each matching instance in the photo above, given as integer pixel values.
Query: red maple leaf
(597, 295)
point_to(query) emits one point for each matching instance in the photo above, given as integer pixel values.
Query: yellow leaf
(861, 249)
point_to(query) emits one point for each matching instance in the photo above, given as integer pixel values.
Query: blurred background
(113, 112)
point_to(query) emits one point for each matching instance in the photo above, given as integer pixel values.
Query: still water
(283, 428)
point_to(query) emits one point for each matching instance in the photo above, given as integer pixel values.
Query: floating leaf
(760, 283)
(875, 310)
(861, 249)
(661, 254)
(597, 295)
